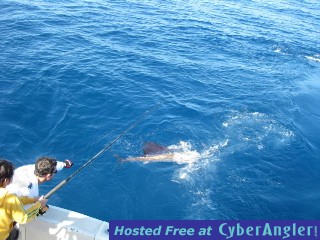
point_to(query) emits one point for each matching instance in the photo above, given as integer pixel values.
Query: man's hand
(44, 207)
(68, 163)
(43, 201)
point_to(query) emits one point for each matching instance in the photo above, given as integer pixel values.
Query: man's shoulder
(25, 169)
(24, 174)
(24, 180)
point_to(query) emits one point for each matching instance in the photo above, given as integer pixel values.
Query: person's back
(25, 182)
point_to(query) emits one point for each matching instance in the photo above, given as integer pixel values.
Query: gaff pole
(65, 181)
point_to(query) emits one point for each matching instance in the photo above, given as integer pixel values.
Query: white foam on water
(315, 58)
(193, 159)
(183, 153)
(255, 129)
(242, 132)
(196, 177)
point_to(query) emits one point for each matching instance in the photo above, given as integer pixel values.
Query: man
(11, 206)
(26, 179)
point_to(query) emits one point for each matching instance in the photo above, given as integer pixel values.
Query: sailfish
(153, 152)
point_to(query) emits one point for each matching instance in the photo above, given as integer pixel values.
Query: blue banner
(213, 229)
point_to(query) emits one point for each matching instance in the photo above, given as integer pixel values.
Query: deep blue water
(238, 82)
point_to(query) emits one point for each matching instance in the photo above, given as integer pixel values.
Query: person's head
(45, 168)
(6, 172)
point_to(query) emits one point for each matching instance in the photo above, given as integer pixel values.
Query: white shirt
(25, 182)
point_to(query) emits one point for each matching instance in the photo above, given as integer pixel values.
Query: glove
(68, 163)
(44, 206)
(43, 210)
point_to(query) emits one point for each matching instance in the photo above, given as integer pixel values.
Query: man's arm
(28, 200)
(65, 164)
(19, 214)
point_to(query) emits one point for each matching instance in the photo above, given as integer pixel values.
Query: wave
(315, 58)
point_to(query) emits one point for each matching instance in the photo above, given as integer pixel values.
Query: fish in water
(153, 152)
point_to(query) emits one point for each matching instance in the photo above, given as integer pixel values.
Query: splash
(200, 160)
(242, 132)
(197, 177)
(183, 153)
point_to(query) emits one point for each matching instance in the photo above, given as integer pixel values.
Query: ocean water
(238, 83)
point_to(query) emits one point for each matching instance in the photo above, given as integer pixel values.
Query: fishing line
(94, 141)
(65, 181)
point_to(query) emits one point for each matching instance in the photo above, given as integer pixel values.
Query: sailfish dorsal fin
(152, 148)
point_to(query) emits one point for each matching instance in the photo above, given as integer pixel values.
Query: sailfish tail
(119, 158)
